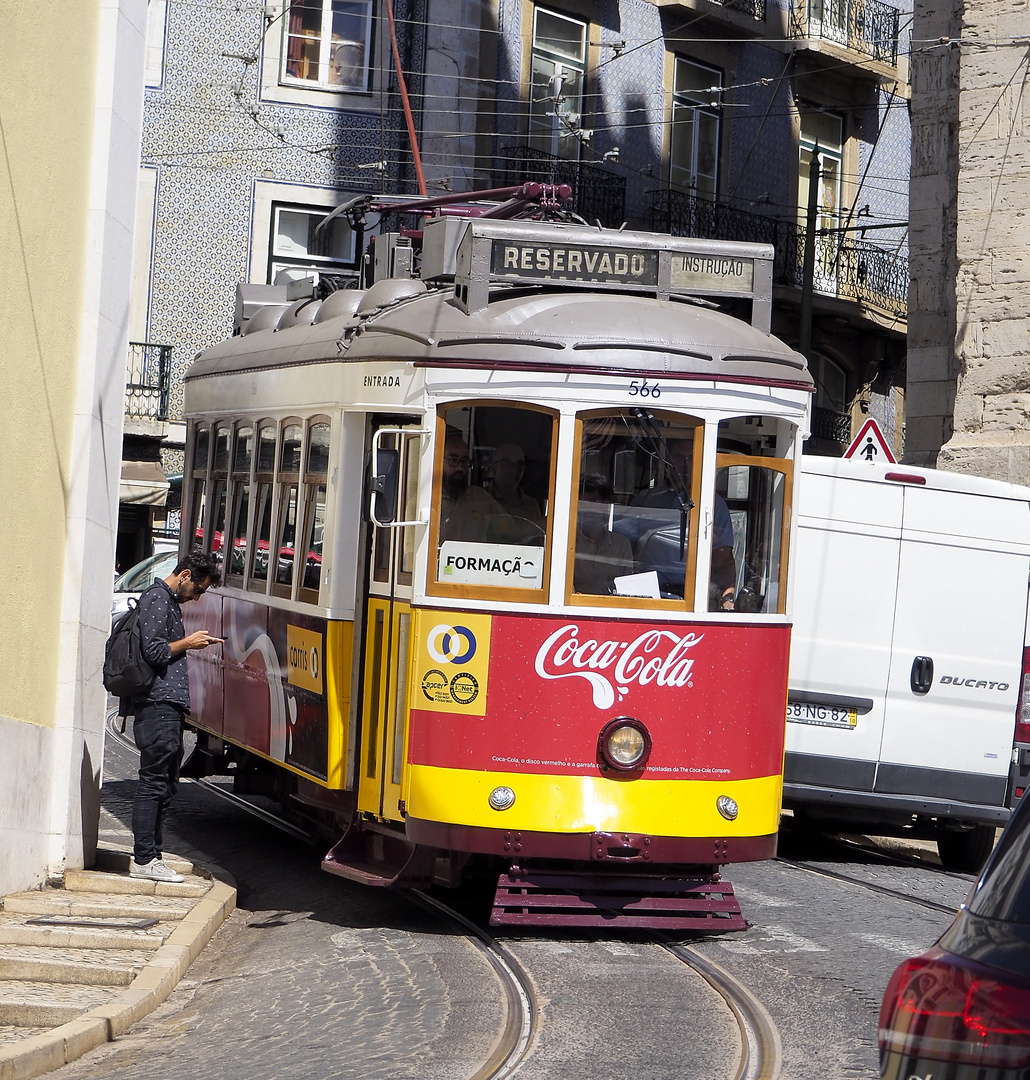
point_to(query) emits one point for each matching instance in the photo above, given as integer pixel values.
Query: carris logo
(451, 644)
(656, 656)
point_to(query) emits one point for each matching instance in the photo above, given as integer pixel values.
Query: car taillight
(940, 1008)
(1023, 705)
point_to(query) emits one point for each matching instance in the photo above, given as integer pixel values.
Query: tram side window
(243, 453)
(753, 485)
(288, 507)
(219, 492)
(315, 479)
(263, 476)
(198, 497)
(635, 527)
(492, 495)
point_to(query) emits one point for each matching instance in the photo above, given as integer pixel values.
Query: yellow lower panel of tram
(579, 804)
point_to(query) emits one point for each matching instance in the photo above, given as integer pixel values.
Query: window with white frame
(694, 145)
(556, 90)
(299, 241)
(327, 44)
(823, 130)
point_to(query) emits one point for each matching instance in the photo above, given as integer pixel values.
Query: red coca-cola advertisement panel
(712, 696)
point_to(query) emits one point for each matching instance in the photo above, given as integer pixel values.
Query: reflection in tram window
(635, 530)
(198, 500)
(240, 501)
(493, 493)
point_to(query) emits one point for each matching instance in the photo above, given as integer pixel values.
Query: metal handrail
(148, 380)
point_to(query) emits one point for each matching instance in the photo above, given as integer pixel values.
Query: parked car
(130, 584)
(961, 1011)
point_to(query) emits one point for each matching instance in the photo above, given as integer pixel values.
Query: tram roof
(529, 328)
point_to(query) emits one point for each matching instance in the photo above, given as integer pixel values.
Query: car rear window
(1004, 891)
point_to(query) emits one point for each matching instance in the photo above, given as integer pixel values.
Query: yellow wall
(48, 57)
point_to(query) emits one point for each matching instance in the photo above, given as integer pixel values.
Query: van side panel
(848, 550)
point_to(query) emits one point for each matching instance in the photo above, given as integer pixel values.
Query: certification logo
(464, 688)
(434, 685)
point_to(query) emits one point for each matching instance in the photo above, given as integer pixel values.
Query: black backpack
(126, 673)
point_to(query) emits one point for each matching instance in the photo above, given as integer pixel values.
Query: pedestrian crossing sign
(870, 445)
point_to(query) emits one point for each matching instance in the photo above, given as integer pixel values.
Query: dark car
(961, 1011)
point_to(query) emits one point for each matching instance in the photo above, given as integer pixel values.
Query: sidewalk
(81, 963)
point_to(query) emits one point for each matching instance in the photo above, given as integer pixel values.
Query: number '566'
(642, 388)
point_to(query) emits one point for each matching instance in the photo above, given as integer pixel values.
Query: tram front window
(493, 495)
(639, 476)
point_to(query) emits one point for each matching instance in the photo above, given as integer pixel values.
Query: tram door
(394, 460)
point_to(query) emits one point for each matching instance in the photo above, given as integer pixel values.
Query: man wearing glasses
(467, 511)
(159, 715)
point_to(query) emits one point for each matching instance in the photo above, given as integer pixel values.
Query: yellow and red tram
(507, 565)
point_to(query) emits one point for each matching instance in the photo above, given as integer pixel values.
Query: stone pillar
(969, 352)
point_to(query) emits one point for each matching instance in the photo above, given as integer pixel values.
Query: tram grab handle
(383, 485)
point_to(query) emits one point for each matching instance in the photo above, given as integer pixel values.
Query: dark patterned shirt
(160, 623)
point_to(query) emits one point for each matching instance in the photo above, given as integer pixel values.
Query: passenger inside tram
(467, 511)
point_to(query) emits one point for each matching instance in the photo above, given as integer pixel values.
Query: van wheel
(965, 850)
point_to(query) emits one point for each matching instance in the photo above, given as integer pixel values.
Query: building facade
(696, 117)
(70, 156)
(969, 369)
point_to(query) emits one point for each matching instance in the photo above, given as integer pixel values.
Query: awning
(143, 483)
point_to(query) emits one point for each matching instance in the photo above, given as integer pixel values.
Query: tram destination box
(526, 252)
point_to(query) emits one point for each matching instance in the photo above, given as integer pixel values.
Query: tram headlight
(501, 798)
(624, 744)
(727, 807)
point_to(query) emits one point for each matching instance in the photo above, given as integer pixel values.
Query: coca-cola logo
(655, 656)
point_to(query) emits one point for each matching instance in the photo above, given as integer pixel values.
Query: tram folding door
(394, 460)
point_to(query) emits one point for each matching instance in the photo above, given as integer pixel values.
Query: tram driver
(674, 494)
(601, 554)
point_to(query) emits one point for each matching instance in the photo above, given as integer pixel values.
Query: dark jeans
(158, 733)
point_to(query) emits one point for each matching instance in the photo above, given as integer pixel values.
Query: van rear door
(957, 647)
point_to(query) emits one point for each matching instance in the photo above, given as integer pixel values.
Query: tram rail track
(761, 1049)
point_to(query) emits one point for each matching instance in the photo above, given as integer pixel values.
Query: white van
(909, 654)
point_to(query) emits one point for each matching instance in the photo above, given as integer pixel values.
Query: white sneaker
(155, 870)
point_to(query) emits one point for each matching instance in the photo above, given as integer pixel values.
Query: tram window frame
(199, 451)
(581, 599)
(769, 445)
(399, 543)
(264, 500)
(238, 532)
(312, 480)
(435, 587)
(287, 493)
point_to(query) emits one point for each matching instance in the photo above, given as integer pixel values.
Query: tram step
(554, 898)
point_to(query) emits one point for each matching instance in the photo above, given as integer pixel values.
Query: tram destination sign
(575, 262)
(715, 273)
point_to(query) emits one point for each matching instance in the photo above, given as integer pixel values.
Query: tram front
(577, 622)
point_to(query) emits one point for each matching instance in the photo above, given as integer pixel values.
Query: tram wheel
(965, 850)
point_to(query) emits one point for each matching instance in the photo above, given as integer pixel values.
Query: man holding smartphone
(159, 715)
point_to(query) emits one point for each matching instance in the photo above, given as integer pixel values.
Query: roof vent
(300, 313)
(267, 318)
(343, 302)
(390, 291)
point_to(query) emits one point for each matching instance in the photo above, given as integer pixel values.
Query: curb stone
(41, 1053)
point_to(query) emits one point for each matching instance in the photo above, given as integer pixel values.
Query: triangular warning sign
(870, 445)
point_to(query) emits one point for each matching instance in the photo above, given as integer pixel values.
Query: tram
(506, 541)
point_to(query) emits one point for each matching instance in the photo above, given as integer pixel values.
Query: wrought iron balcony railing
(845, 267)
(754, 8)
(835, 426)
(597, 194)
(869, 27)
(148, 378)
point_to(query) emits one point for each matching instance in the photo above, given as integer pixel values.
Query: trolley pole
(808, 263)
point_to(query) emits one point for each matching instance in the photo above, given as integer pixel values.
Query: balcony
(148, 377)
(868, 27)
(597, 194)
(845, 268)
(833, 426)
(751, 9)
